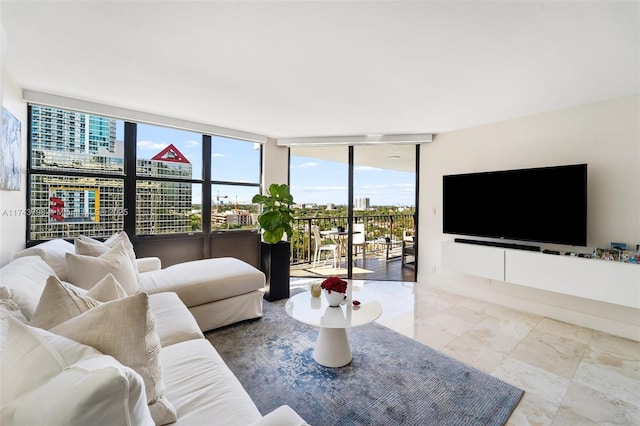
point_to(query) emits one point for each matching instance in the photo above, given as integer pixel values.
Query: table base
(332, 348)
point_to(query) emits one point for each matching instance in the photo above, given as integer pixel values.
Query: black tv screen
(547, 204)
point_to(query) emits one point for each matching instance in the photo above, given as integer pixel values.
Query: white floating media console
(605, 281)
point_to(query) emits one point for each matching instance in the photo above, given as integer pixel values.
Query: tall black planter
(274, 262)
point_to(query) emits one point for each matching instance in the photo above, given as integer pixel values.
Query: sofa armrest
(147, 264)
(281, 416)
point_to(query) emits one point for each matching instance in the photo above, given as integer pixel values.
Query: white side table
(332, 347)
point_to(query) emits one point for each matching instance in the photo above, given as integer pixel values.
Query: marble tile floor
(571, 375)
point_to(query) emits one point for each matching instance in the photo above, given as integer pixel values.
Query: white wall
(605, 135)
(13, 203)
(275, 164)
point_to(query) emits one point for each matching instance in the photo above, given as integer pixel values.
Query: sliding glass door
(319, 185)
(373, 240)
(384, 207)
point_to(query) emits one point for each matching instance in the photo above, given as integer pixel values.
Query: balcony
(381, 258)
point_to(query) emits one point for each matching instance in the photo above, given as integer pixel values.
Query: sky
(321, 182)
(312, 181)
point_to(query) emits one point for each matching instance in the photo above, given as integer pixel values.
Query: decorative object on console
(619, 246)
(630, 257)
(606, 254)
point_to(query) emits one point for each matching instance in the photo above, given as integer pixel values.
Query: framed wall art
(10, 150)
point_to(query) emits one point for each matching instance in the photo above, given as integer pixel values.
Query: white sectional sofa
(75, 372)
(217, 291)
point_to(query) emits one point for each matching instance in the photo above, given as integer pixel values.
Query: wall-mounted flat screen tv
(546, 204)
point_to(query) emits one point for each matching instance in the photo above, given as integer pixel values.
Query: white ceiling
(287, 69)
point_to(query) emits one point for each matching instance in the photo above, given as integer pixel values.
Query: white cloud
(151, 146)
(192, 142)
(305, 165)
(218, 154)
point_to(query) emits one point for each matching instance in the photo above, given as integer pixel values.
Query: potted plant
(275, 221)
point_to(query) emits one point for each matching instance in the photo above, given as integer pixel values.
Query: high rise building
(161, 206)
(361, 204)
(73, 140)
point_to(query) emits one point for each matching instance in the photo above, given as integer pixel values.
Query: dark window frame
(130, 180)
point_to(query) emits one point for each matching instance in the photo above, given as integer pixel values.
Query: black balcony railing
(377, 227)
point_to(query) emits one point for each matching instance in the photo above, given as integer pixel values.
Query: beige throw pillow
(126, 330)
(85, 271)
(90, 247)
(107, 289)
(59, 303)
(62, 301)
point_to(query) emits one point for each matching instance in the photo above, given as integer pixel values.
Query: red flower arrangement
(334, 284)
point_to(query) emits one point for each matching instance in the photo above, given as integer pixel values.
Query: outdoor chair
(359, 239)
(319, 248)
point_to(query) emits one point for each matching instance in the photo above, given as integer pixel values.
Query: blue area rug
(392, 379)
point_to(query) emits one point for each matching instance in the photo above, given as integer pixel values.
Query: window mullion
(130, 140)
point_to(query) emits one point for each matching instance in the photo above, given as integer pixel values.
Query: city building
(361, 204)
(68, 139)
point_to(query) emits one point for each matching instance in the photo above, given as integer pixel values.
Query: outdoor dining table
(340, 238)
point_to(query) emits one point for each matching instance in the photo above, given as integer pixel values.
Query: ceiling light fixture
(357, 140)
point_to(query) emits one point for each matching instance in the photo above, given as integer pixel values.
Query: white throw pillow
(49, 379)
(91, 247)
(126, 329)
(23, 280)
(85, 271)
(52, 252)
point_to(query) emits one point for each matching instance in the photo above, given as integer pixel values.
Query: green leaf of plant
(273, 237)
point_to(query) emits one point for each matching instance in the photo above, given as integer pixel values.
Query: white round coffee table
(332, 347)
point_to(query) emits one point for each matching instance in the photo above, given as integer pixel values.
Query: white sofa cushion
(220, 399)
(91, 247)
(174, 321)
(126, 329)
(53, 253)
(146, 264)
(203, 281)
(85, 271)
(49, 379)
(23, 280)
(96, 391)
